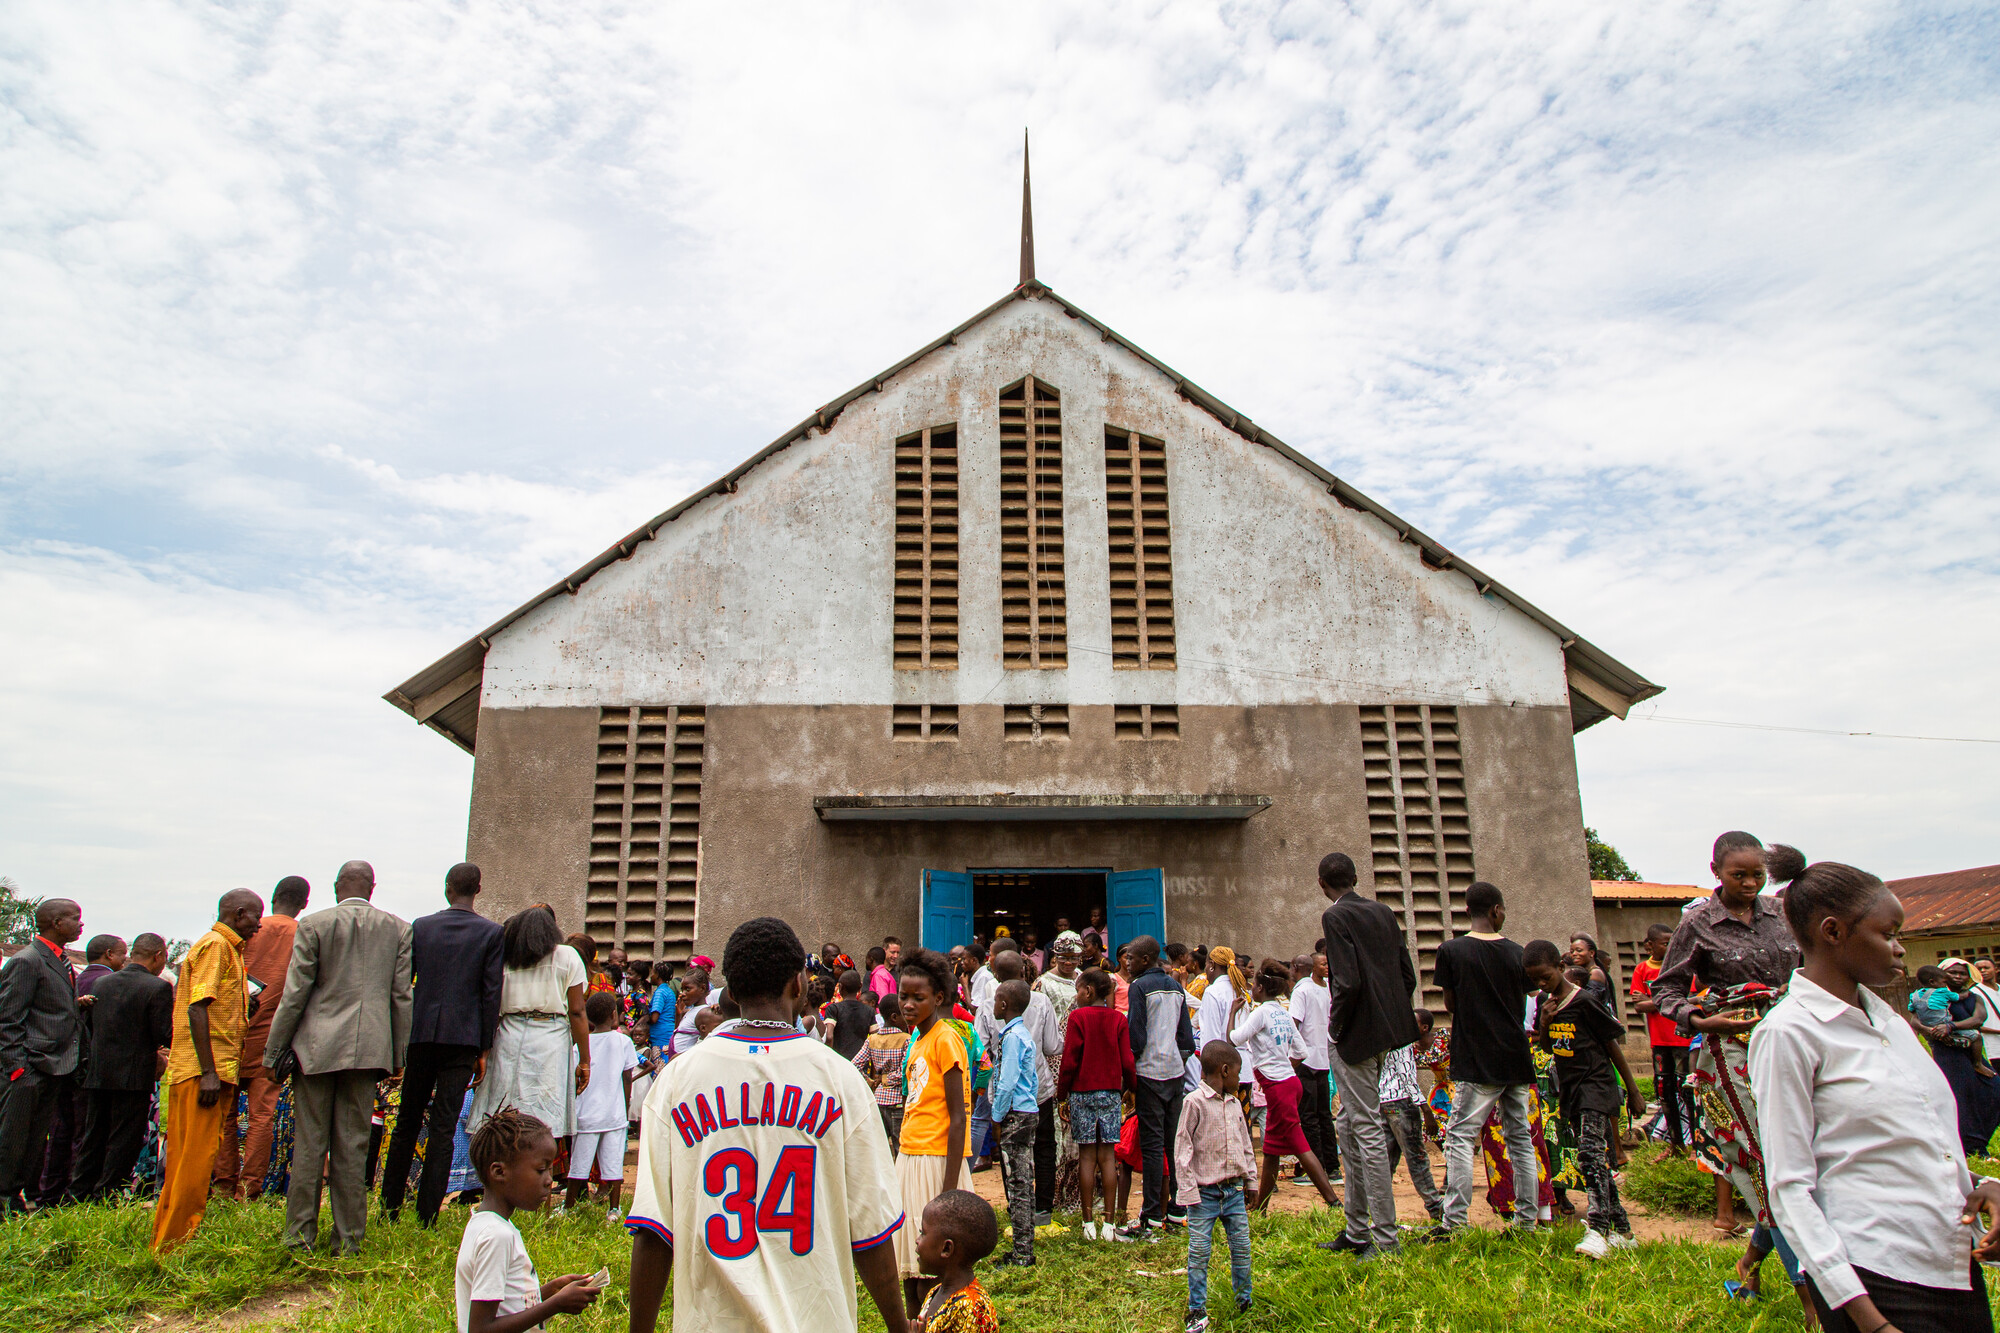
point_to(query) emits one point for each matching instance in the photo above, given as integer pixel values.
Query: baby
(1930, 1006)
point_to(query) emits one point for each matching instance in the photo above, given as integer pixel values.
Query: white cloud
(335, 330)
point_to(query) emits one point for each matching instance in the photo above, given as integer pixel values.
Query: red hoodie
(1097, 1052)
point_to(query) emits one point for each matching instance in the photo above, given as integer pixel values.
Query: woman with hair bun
(1867, 1178)
(1730, 959)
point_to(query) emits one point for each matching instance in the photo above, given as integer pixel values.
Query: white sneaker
(1622, 1241)
(1090, 1231)
(1593, 1245)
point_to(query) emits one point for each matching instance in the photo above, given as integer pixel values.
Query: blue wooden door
(1136, 903)
(947, 910)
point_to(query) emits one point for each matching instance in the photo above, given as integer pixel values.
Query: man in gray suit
(346, 1017)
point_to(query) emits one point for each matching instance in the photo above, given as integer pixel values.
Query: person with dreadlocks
(495, 1284)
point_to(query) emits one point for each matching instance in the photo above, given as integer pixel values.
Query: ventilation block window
(1629, 952)
(1142, 573)
(1146, 722)
(1418, 826)
(924, 722)
(1033, 610)
(1035, 722)
(645, 832)
(927, 550)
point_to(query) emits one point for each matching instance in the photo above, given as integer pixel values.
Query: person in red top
(1097, 1066)
(1670, 1048)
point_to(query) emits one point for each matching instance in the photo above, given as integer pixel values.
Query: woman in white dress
(541, 1025)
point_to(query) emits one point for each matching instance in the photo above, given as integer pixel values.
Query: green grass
(1668, 1184)
(88, 1267)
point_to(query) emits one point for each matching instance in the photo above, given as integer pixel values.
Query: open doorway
(1035, 900)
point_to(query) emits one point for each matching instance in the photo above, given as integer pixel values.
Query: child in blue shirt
(663, 1008)
(1016, 1115)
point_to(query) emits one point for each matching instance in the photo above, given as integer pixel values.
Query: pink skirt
(1283, 1135)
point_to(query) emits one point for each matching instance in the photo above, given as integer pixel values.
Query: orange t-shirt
(933, 1057)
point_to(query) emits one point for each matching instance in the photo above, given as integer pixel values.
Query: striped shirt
(880, 1061)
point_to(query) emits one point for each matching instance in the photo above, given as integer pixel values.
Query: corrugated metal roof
(1954, 900)
(1592, 670)
(1639, 890)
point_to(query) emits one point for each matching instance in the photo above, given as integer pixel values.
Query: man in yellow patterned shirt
(211, 1010)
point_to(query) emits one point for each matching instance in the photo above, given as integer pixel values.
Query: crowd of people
(455, 1055)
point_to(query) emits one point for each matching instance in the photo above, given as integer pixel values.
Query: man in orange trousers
(211, 1011)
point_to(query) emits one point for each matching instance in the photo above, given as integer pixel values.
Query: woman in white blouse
(1861, 1151)
(542, 1027)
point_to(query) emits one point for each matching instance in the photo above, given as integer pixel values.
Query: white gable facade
(713, 722)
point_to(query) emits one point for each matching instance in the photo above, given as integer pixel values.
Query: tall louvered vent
(1629, 953)
(1142, 573)
(927, 550)
(1033, 611)
(645, 834)
(1418, 825)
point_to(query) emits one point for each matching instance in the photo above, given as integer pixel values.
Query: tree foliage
(1605, 862)
(17, 913)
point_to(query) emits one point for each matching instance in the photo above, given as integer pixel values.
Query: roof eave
(1608, 686)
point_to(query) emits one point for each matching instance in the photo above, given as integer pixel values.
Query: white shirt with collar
(1989, 1031)
(981, 989)
(1040, 1020)
(1861, 1153)
(1310, 1014)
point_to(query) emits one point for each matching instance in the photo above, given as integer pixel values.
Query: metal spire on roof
(1027, 219)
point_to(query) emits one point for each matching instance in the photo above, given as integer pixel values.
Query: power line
(1811, 731)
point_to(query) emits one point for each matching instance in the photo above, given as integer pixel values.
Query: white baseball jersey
(763, 1162)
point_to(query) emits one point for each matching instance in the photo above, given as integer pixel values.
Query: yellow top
(213, 971)
(933, 1057)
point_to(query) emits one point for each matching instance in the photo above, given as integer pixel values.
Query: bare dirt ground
(293, 1307)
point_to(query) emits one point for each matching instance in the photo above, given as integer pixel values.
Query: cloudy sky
(333, 330)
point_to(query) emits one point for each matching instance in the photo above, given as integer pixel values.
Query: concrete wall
(1527, 817)
(781, 593)
(529, 832)
(1252, 882)
(1247, 883)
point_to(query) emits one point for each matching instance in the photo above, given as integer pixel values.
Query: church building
(1024, 625)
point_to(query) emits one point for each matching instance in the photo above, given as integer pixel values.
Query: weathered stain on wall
(781, 593)
(1249, 883)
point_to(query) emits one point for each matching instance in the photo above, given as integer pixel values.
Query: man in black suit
(130, 1028)
(1369, 984)
(457, 959)
(40, 1031)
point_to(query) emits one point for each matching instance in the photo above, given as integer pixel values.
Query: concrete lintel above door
(1010, 807)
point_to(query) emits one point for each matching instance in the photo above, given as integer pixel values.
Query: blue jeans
(1219, 1203)
(982, 1123)
(1766, 1239)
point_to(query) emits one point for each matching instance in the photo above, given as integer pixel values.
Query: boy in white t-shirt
(765, 1183)
(602, 1110)
(495, 1284)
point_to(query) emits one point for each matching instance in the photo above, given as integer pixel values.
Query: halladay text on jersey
(784, 1106)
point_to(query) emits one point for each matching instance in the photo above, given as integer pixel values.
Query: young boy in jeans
(1213, 1162)
(1016, 1116)
(1587, 1044)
